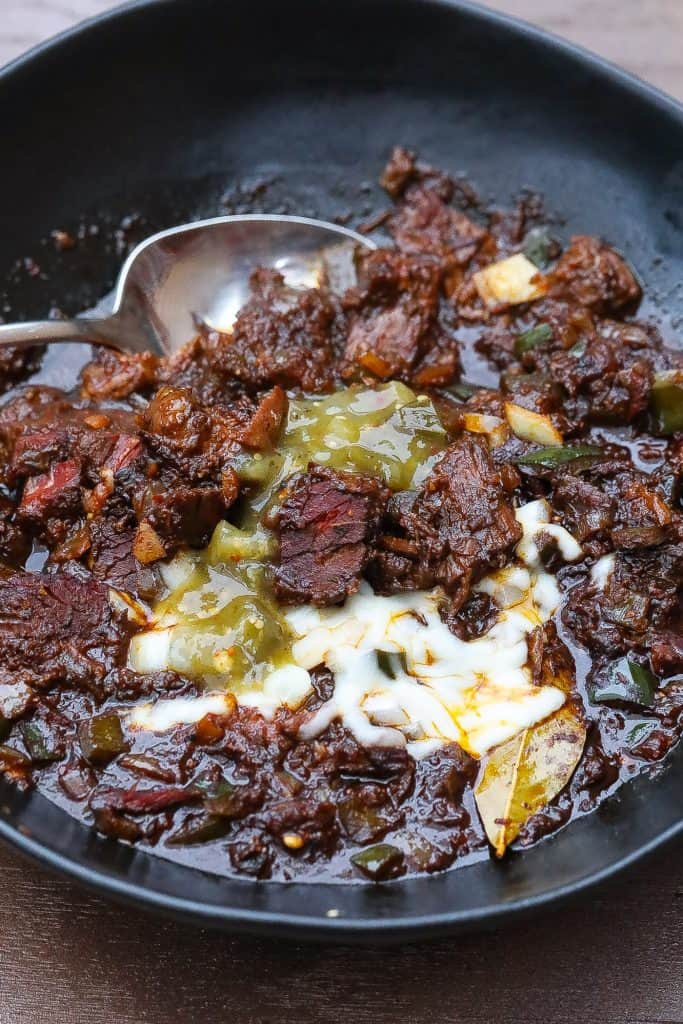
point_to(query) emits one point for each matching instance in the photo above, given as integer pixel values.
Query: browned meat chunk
(621, 508)
(59, 628)
(112, 561)
(460, 525)
(54, 493)
(200, 441)
(608, 377)
(591, 274)
(283, 336)
(641, 598)
(180, 514)
(404, 168)
(425, 224)
(585, 510)
(115, 375)
(325, 525)
(394, 320)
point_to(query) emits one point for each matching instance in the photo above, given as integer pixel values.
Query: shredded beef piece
(58, 628)
(474, 618)
(641, 597)
(325, 525)
(54, 493)
(423, 224)
(608, 377)
(200, 441)
(549, 658)
(179, 514)
(283, 335)
(117, 375)
(404, 169)
(195, 483)
(112, 561)
(619, 508)
(666, 654)
(459, 526)
(394, 325)
(591, 274)
(585, 510)
(193, 367)
(196, 441)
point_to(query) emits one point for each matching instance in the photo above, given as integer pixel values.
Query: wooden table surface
(617, 957)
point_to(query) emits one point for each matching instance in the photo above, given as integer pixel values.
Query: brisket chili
(101, 484)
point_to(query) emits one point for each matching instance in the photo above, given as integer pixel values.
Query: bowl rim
(379, 929)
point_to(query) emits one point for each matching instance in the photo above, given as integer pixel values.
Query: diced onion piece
(531, 426)
(496, 430)
(510, 282)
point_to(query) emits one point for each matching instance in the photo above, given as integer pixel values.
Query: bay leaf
(526, 773)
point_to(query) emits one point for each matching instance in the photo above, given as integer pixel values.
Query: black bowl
(181, 108)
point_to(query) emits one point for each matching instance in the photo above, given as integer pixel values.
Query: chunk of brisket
(394, 324)
(58, 628)
(325, 525)
(593, 275)
(459, 526)
(286, 336)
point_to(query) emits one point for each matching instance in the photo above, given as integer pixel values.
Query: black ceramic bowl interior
(177, 109)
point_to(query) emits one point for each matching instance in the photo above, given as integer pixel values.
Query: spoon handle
(40, 332)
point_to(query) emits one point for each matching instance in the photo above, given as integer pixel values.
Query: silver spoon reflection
(200, 273)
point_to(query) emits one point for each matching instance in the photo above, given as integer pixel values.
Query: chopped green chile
(392, 664)
(533, 337)
(361, 823)
(538, 247)
(559, 455)
(40, 745)
(379, 862)
(101, 738)
(463, 390)
(389, 431)
(627, 682)
(666, 402)
(199, 829)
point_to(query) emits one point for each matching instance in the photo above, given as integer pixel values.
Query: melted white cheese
(602, 570)
(478, 692)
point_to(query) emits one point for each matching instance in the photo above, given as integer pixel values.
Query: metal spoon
(200, 272)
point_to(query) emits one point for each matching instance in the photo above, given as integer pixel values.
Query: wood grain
(617, 958)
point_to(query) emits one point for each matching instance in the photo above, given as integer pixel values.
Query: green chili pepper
(533, 337)
(553, 456)
(625, 682)
(101, 738)
(537, 247)
(40, 745)
(379, 862)
(221, 798)
(666, 402)
(199, 829)
(463, 390)
(392, 664)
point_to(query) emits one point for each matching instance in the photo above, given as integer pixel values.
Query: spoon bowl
(199, 273)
